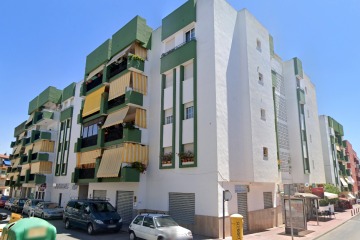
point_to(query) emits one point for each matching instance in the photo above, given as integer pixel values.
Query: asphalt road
(80, 234)
(349, 231)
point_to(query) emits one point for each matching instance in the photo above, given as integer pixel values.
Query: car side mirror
(151, 226)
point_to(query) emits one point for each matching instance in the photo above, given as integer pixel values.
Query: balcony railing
(113, 133)
(91, 84)
(178, 46)
(87, 173)
(115, 69)
(89, 141)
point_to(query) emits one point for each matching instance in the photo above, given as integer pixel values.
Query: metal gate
(124, 205)
(100, 194)
(182, 207)
(243, 208)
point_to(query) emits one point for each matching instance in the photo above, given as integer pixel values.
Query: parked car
(18, 205)
(3, 199)
(157, 226)
(48, 210)
(30, 205)
(92, 215)
(8, 203)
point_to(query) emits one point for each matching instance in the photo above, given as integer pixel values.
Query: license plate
(111, 226)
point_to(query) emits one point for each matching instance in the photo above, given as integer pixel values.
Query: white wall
(326, 148)
(72, 189)
(292, 109)
(316, 159)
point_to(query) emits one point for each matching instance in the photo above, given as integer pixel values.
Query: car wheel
(90, 229)
(132, 236)
(67, 224)
(160, 238)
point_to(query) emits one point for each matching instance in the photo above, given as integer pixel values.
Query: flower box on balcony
(135, 63)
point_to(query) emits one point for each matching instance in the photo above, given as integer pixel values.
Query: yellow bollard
(236, 227)
(14, 217)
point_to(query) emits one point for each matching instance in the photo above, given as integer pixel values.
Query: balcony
(130, 97)
(91, 84)
(129, 175)
(135, 63)
(116, 68)
(24, 159)
(39, 157)
(26, 141)
(42, 118)
(120, 135)
(83, 175)
(178, 55)
(37, 179)
(89, 141)
(36, 135)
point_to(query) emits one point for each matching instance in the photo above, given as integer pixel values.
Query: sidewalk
(314, 230)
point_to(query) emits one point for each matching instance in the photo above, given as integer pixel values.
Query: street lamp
(226, 197)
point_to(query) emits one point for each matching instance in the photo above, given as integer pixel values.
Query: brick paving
(314, 230)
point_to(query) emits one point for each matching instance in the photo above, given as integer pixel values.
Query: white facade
(62, 190)
(331, 169)
(307, 145)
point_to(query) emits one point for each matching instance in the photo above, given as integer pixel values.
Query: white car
(156, 227)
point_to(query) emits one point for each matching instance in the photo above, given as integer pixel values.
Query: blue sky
(46, 42)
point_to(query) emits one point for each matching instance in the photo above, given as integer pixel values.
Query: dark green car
(92, 215)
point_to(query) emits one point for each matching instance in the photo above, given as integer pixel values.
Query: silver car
(9, 203)
(30, 205)
(157, 226)
(48, 210)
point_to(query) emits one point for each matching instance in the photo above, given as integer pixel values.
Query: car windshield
(34, 203)
(22, 201)
(50, 205)
(102, 207)
(165, 221)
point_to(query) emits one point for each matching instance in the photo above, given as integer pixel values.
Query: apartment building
(4, 164)
(333, 147)
(352, 169)
(39, 152)
(301, 158)
(202, 103)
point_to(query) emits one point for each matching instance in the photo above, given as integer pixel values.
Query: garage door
(99, 194)
(182, 207)
(243, 208)
(124, 205)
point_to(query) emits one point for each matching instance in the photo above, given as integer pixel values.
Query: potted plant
(187, 156)
(139, 166)
(166, 158)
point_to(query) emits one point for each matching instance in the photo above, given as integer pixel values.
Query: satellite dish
(306, 184)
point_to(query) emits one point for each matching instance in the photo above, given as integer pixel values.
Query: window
(258, 45)
(169, 119)
(190, 35)
(138, 220)
(189, 112)
(261, 79)
(268, 203)
(89, 131)
(263, 114)
(148, 222)
(265, 153)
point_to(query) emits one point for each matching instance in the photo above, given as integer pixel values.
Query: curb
(335, 227)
